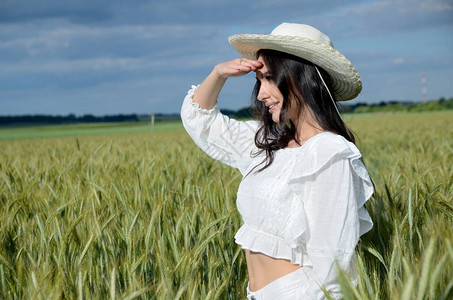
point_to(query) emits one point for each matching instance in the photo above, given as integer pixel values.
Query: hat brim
(345, 78)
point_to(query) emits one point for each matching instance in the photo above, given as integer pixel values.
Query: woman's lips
(272, 107)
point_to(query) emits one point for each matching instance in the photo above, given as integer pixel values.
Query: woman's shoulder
(321, 150)
(328, 143)
(330, 160)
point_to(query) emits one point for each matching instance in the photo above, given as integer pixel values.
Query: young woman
(304, 187)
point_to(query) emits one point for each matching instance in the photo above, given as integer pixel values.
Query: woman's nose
(262, 94)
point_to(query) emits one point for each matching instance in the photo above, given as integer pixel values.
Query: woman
(304, 187)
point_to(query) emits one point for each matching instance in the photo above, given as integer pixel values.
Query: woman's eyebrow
(258, 73)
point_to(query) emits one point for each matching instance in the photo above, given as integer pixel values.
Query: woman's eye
(268, 78)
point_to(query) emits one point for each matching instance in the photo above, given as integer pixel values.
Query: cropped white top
(306, 207)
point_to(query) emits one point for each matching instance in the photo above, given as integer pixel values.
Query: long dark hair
(302, 90)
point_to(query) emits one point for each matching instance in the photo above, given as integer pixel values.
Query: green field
(124, 212)
(39, 132)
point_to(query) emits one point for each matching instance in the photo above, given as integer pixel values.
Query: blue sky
(108, 57)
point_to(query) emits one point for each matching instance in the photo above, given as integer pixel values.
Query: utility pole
(424, 86)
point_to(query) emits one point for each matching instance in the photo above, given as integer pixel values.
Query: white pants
(291, 286)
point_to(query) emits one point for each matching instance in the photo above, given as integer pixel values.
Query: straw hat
(309, 43)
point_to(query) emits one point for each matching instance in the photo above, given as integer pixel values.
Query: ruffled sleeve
(222, 138)
(334, 186)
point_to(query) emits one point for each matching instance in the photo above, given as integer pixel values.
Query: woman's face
(269, 92)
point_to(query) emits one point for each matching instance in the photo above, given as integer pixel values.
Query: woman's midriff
(264, 269)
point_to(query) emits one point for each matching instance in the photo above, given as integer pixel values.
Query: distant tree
(243, 113)
(228, 112)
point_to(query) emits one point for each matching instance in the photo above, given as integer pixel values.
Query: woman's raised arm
(207, 93)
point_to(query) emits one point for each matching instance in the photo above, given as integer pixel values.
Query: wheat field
(149, 216)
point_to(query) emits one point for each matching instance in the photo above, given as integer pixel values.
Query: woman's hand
(237, 67)
(207, 93)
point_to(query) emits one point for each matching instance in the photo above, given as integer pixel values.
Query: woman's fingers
(237, 67)
(248, 63)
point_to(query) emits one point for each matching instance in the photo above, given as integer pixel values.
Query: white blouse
(306, 207)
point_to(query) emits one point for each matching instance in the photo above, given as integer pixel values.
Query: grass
(39, 132)
(147, 215)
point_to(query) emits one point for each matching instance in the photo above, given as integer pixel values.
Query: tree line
(88, 118)
(362, 107)
(398, 106)
(243, 113)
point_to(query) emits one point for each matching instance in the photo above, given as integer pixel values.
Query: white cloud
(439, 5)
(154, 100)
(378, 18)
(58, 66)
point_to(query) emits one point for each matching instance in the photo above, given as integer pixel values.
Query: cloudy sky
(137, 56)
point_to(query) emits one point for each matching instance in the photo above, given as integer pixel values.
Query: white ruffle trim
(317, 155)
(277, 247)
(195, 106)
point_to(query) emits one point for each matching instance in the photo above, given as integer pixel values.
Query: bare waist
(264, 269)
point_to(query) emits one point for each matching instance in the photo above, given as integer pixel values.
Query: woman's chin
(276, 116)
